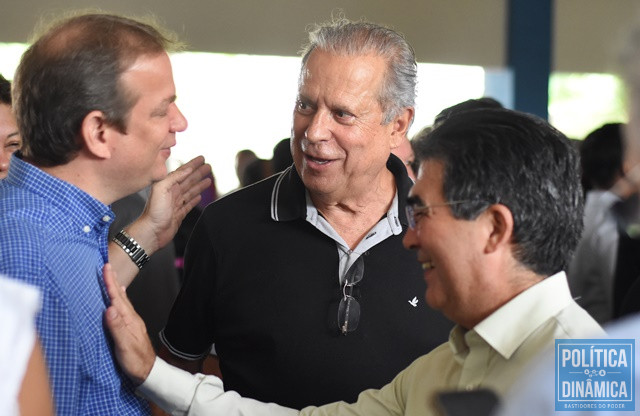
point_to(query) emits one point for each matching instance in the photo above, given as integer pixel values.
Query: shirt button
(86, 229)
(106, 218)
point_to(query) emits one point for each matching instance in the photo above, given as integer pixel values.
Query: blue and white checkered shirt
(54, 236)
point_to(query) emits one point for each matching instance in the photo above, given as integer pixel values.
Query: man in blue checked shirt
(95, 103)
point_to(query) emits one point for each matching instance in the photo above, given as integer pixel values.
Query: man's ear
(96, 134)
(401, 126)
(500, 227)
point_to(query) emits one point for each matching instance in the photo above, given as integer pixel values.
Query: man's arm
(133, 347)
(176, 391)
(170, 201)
(35, 392)
(192, 366)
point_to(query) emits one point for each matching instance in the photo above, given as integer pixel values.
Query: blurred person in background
(592, 268)
(24, 386)
(10, 140)
(405, 153)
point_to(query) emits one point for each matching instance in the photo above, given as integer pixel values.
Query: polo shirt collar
(288, 200)
(287, 196)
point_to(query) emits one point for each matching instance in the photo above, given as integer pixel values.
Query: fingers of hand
(117, 293)
(193, 163)
(122, 315)
(188, 168)
(197, 177)
(195, 191)
(110, 281)
(188, 194)
(189, 204)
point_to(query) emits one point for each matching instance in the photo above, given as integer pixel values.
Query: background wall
(230, 107)
(467, 32)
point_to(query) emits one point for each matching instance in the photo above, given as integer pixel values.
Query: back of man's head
(282, 157)
(472, 104)
(601, 157)
(344, 37)
(499, 156)
(72, 69)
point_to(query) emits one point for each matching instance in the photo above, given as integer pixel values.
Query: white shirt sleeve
(179, 392)
(19, 304)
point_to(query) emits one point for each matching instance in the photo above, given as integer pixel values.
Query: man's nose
(410, 239)
(319, 127)
(179, 121)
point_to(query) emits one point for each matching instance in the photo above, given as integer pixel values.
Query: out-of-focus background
(237, 79)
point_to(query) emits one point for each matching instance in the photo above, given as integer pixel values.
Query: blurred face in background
(405, 153)
(10, 140)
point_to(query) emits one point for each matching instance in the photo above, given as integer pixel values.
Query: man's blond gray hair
(345, 37)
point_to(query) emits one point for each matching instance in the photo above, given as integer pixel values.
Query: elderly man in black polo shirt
(301, 280)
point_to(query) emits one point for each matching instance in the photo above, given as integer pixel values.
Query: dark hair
(499, 156)
(345, 37)
(256, 171)
(71, 70)
(282, 157)
(472, 104)
(421, 135)
(601, 157)
(5, 91)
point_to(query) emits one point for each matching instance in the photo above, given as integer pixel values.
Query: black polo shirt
(262, 284)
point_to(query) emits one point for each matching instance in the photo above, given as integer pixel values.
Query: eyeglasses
(414, 211)
(349, 308)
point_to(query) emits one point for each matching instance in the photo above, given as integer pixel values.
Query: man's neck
(515, 283)
(82, 176)
(352, 216)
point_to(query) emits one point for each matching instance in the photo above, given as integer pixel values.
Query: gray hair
(344, 37)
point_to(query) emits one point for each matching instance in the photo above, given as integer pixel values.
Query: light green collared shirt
(491, 355)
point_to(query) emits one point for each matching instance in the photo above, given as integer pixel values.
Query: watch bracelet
(132, 248)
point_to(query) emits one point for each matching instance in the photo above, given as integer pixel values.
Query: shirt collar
(288, 200)
(505, 329)
(458, 344)
(85, 211)
(605, 198)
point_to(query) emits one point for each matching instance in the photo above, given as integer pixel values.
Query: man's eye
(422, 212)
(343, 116)
(303, 107)
(159, 113)
(13, 145)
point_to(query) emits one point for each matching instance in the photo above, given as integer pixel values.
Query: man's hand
(133, 348)
(171, 200)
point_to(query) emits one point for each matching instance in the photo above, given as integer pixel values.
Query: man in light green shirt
(494, 216)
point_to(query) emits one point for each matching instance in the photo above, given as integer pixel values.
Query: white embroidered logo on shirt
(413, 302)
